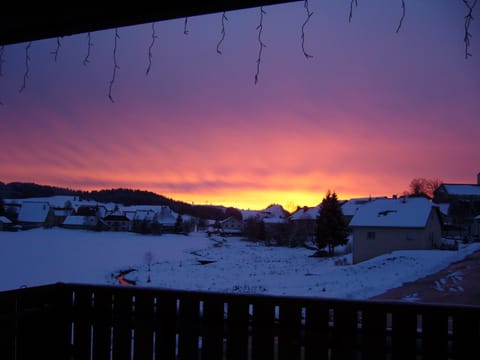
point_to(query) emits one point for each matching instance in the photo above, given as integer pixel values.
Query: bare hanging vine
(351, 9)
(115, 66)
(260, 43)
(402, 18)
(185, 26)
(2, 52)
(224, 18)
(468, 21)
(150, 55)
(56, 51)
(27, 67)
(89, 47)
(468, 18)
(309, 15)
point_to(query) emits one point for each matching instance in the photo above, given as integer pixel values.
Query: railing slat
(82, 322)
(317, 331)
(435, 337)
(213, 328)
(404, 333)
(374, 332)
(8, 328)
(466, 334)
(263, 329)
(165, 326)
(290, 337)
(237, 328)
(345, 332)
(122, 326)
(143, 324)
(188, 327)
(102, 323)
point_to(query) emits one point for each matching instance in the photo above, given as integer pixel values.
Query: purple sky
(369, 112)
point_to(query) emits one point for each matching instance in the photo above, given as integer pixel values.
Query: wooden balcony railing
(69, 321)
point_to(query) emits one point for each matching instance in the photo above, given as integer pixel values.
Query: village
(377, 225)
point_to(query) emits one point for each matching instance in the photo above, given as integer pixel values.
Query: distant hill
(21, 190)
(127, 197)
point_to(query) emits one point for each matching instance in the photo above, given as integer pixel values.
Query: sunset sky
(369, 112)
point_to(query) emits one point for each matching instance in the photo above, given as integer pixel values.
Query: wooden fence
(69, 321)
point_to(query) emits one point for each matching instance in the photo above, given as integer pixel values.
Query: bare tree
(422, 186)
(149, 260)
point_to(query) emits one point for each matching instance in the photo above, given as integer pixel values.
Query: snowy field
(45, 256)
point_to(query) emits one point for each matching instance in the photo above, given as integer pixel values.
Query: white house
(33, 213)
(231, 226)
(386, 225)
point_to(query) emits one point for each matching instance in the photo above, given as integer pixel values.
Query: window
(371, 235)
(410, 236)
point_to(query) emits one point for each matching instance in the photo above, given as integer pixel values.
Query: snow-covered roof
(142, 215)
(167, 217)
(5, 220)
(305, 213)
(273, 211)
(462, 189)
(33, 211)
(403, 212)
(350, 207)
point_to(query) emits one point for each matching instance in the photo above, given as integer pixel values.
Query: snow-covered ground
(44, 256)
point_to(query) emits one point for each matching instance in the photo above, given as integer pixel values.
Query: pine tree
(332, 230)
(178, 227)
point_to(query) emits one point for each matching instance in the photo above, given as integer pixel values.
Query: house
(5, 223)
(476, 228)
(60, 214)
(142, 221)
(166, 218)
(463, 201)
(386, 225)
(231, 226)
(117, 222)
(86, 217)
(82, 222)
(303, 224)
(34, 214)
